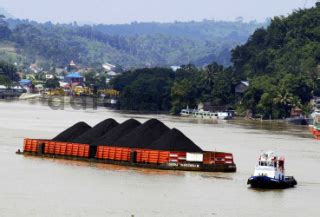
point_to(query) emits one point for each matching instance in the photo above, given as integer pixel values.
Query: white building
(49, 76)
(109, 67)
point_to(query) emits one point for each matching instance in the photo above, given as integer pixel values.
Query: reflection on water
(280, 126)
(262, 191)
(216, 176)
(110, 167)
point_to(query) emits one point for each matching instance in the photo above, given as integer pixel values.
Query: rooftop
(74, 75)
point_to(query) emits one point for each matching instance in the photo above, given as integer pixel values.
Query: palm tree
(211, 72)
(286, 100)
(209, 76)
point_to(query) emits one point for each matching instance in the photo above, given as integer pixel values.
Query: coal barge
(149, 145)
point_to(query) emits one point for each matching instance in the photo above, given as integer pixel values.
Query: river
(31, 186)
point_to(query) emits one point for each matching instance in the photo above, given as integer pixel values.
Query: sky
(126, 11)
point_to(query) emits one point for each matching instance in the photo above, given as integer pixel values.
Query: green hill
(131, 45)
(282, 63)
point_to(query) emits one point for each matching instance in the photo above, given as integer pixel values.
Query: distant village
(69, 77)
(67, 81)
(71, 81)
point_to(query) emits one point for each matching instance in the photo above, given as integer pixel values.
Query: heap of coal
(143, 135)
(97, 131)
(153, 134)
(174, 140)
(72, 132)
(116, 133)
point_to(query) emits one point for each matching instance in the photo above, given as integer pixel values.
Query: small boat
(270, 173)
(299, 120)
(8, 92)
(195, 113)
(297, 117)
(315, 126)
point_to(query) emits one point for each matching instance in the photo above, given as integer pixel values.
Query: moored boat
(270, 173)
(315, 126)
(202, 114)
(297, 117)
(300, 120)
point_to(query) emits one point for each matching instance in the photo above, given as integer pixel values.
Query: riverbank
(83, 103)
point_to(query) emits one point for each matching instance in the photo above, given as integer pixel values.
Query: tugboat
(269, 173)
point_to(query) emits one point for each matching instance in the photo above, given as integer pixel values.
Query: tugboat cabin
(271, 166)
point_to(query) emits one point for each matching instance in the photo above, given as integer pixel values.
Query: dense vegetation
(145, 89)
(132, 45)
(281, 63)
(161, 89)
(7, 73)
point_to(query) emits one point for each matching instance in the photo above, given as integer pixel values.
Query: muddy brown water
(35, 187)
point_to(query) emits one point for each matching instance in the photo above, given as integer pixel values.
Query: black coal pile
(97, 131)
(116, 133)
(174, 140)
(153, 134)
(143, 135)
(72, 132)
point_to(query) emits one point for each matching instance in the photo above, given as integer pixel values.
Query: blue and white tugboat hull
(270, 173)
(266, 182)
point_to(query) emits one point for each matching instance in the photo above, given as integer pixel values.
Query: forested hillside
(281, 63)
(132, 45)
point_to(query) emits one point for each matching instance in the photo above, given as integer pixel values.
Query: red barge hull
(143, 158)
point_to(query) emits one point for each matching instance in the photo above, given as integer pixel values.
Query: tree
(223, 88)
(52, 83)
(5, 31)
(4, 80)
(183, 95)
(8, 72)
(40, 76)
(145, 89)
(210, 73)
(189, 71)
(314, 74)
(285, 101)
